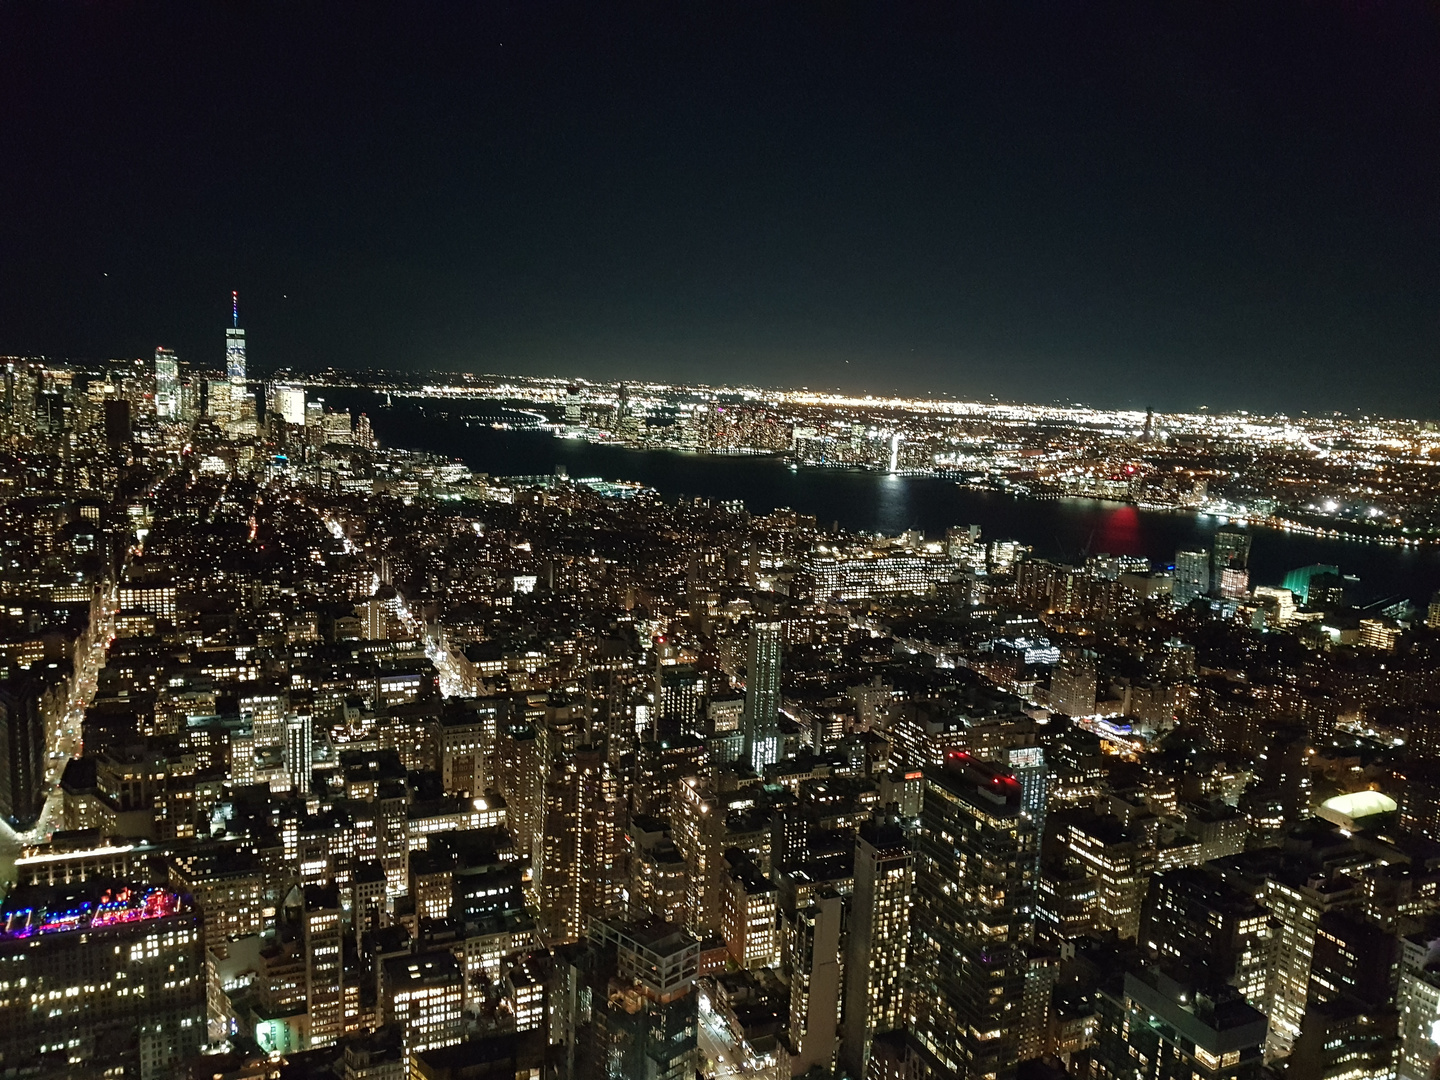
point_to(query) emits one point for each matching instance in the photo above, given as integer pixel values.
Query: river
(878, 502)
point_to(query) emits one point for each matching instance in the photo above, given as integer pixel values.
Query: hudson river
(877, 502)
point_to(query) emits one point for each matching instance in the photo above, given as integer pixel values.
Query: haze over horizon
(1107, 204)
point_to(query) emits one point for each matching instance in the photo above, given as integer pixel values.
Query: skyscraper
(299, 751)
(877, 942)
(167, 384)
(815, 982)
(1027, 764)
(1231, 551)
(645, 1015)
(973, 918)
(679, 691)
(761, 725)
(22, 751)
(1192, 575)
(290, 404)
(235, 344)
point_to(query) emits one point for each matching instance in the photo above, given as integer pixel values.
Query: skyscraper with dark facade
(972, 921)
(643, 1023)
(22, 751)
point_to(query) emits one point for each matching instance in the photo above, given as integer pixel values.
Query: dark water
(876, 502)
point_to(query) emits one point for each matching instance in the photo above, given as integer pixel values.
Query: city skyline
(795, 542)
(1159, 209)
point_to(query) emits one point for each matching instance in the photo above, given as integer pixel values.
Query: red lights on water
(1119, 532)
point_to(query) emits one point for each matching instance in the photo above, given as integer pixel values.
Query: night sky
(1232, 204)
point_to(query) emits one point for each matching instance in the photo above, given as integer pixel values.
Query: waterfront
(878, 502)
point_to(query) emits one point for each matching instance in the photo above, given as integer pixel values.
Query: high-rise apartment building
(579, 875)
(877, 941)
(815, 983)
(1073, 684)
(299, 750)
(761, 724)
(1192, 575)
(973, 918)
(1193, 916)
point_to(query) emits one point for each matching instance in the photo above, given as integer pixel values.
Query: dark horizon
(1106, 204)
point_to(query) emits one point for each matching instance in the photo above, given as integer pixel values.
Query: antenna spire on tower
(235, 306)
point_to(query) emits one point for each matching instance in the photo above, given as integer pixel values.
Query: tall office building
(235, 344)
(1192, 575)
(167, 384)
(761, 725)
(877, 942)
(973, 919)
(311, 922)
(1231, 551)
(424, 996)
(290, 404)
(220, 400)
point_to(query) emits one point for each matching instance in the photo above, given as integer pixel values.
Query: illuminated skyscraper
(235, 344)
(761, 725)
(973, 918)
(1231, 551)
(1192, 575)
(167, 384)
(299, 753)
(290, 404)
(877, 942)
